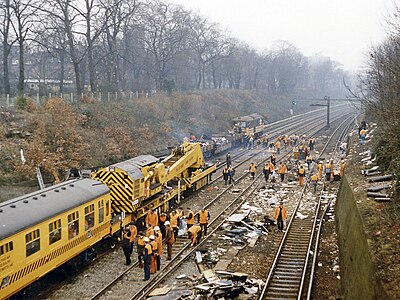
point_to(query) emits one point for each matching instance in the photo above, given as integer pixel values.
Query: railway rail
(291, 267)
(185, 252)
(131, 276)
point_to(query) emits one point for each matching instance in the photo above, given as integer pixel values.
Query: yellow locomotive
(43, 230)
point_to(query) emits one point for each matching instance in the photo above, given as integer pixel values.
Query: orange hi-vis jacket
(140, 241)
(149, 231)
(152, 219)
(194, 230)
(284, 213)
(314, 178)
(154, 246)
(149, 251)
(133, 231)
(282, 169)
(252, 168)
(301, 172)
(163, 218)
(203, 216)
(159, 243)
(190, 219)
(173, 219)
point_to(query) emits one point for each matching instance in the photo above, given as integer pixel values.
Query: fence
(9, 101)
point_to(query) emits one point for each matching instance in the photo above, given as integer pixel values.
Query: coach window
(101, 211)
(54, 231)
(107, 208)
(6, 248)
(89, 216)
(32, 240)
(73, 225)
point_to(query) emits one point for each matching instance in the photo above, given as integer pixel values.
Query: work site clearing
(236, 259)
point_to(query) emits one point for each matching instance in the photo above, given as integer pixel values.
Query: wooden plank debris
(159, 291)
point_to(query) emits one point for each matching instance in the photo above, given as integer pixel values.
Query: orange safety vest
(148, 247)
(133, 230)
(154, 246)
(314, 178)
(301, 171)
(159, 243)
(284, 213)
(278, 144)
(163, 218)
(252, 168)
(149, 232)
(271, 167)
(328, 167)
(173, 220)
(140, 241)
(194, 230)
(152, 219)
(282, 169)
(203, 216)
(191, 220)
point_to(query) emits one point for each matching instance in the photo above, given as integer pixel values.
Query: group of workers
(158, 228)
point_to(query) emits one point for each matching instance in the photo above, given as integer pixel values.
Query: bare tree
(117, 12)
(210, 45)
(5, 19)
(165, 27)
(23, 18)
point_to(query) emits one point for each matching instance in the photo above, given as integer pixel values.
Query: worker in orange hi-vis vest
(159, 239)
(189, 218)
(302, 174)
(203, 218)
(320, 169)
(314, 182)
(282, 170)
(252, 170)
(152, 218)
(341, 168)
(174, 221)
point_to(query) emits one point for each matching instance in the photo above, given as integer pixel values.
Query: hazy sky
(341, 29)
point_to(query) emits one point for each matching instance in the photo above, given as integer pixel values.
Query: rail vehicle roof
(247, 118)
(28, 210)
(133, 165)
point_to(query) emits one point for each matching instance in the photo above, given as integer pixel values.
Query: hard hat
(156, 228)
(146, 239)
(166, 223)
(327, 160)
(152, 237)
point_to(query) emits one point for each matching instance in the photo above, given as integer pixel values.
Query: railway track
(292, 265)
(228, 207)
(130, 277)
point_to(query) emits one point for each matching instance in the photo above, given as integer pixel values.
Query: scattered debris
(381, 178)
(379, 187)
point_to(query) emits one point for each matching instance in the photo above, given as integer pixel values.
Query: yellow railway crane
(142, 183)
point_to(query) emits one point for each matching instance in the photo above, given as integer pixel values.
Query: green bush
(21, 102)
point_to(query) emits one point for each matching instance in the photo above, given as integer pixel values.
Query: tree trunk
(62, 68)
(21, 78)
(6, 53)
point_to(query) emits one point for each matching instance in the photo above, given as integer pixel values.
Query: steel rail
(147, 289)
(107, 287)
(289, 228)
